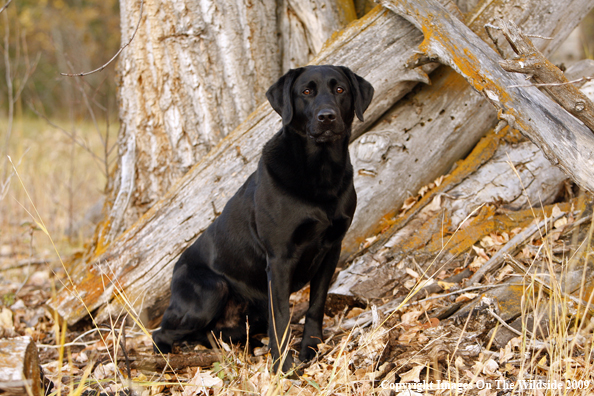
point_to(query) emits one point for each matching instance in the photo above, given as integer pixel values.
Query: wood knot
(580, 106)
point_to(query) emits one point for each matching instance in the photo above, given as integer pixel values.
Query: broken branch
(545, 74)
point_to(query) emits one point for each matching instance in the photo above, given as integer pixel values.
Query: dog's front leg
(312, 331)
(279, 289)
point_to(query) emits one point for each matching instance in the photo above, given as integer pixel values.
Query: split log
(566, 141)
(141, 260)
(431, 233)
(19, 367)
(423, 135)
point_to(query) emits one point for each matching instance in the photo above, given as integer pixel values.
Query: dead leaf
(412, 375)
(480, 252)
(505, 271)
(410, 318)
(6, 322)
(200, 382)
(490, 367)
(103, 371)
(355, 312)
(412, 273)
(477, 263)
(466, 297)
(408, 203)
(435, 204)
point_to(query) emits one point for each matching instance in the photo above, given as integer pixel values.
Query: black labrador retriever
(282, 229)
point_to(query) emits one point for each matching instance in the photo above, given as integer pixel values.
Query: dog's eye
(339, 90)
(307, 91)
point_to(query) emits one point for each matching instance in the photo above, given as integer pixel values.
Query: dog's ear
(279, 94)
(363, 91)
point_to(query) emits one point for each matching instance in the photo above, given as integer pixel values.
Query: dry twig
(5, 5)
(113, 57)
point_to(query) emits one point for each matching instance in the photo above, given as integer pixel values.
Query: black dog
(283, 227)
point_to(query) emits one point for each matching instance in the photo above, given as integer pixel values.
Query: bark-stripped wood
(141, 259)
(175, 361)
(19, 367)
(484, 177)
(422, 136)
(545, 75)
(305, 25)
(565, 140)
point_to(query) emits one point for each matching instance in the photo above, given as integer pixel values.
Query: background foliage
(41, 38)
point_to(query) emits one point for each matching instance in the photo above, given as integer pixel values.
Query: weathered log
(422, 136)
(19, 367)
(546, 75)
(431, 233)
(175, 361)
(565, 140)
(140, 261)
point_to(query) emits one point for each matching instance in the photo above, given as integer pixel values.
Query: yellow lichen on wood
(483, 151)
(486, 222)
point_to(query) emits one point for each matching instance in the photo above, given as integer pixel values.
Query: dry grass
(63, 179)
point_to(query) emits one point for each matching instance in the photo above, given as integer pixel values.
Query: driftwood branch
(565, 141)
(546, 75)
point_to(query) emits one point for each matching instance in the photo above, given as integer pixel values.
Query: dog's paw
(160, 346)
(308, 352)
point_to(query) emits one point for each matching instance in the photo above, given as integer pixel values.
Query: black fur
(282, 229)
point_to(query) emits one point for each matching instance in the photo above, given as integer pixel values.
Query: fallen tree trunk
(423, 135)
(19, 367)
(564, 140)
(429, 235)
(140, 261)
(432, 233)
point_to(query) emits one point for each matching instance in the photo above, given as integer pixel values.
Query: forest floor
(453, 337)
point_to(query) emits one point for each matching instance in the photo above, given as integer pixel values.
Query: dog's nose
(326, 116)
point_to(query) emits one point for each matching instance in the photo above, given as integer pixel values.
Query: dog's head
(320, 101)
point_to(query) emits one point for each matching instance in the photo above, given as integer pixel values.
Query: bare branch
(579, 80)
(117, 53)
(5, 5)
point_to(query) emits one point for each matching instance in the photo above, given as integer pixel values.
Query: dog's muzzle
(327, 126)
